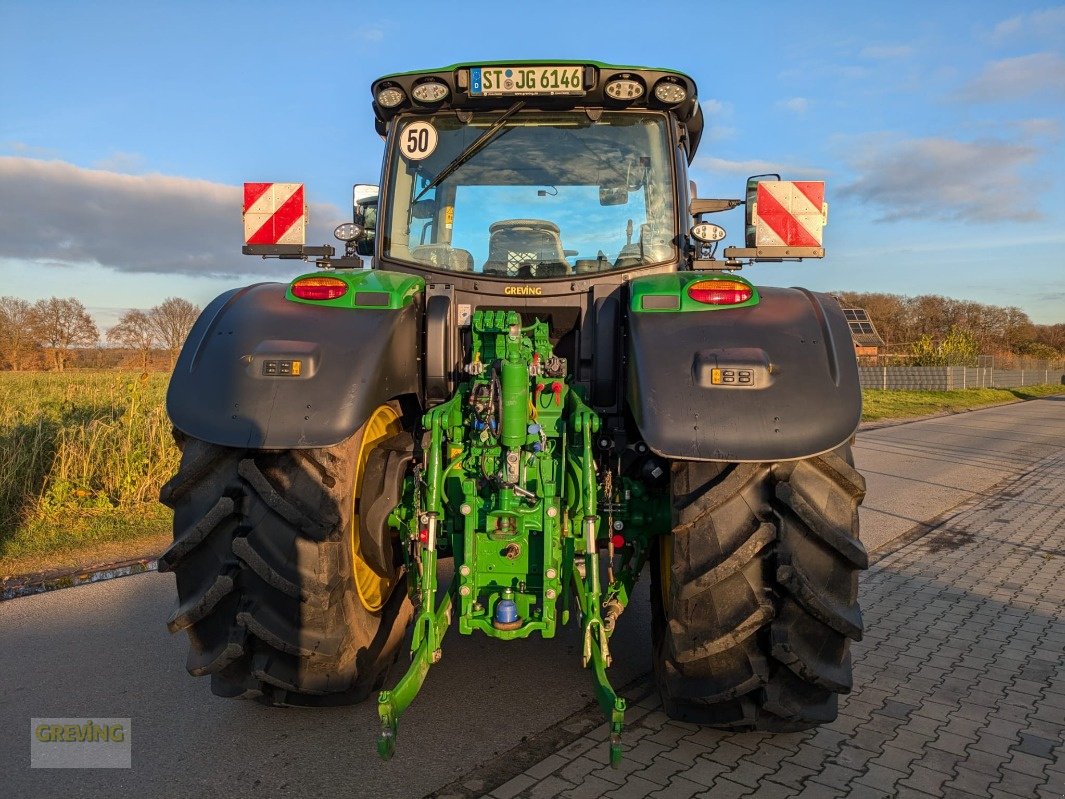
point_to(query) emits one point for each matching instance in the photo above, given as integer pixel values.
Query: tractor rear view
(529, 361)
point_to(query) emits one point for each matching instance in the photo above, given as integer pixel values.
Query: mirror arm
(699, 207)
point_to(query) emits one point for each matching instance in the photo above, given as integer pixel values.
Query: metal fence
(1010, 362)
(947, 378)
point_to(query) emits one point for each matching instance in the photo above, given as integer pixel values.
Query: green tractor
(540, 381)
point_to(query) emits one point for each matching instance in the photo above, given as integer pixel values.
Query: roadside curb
(30, 584)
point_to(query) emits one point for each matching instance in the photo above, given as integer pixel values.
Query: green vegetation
(936, 330)
(878, 404)
(83, 454)
(957, 348)
(82, 457)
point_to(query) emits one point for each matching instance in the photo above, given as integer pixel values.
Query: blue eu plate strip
(475, 80)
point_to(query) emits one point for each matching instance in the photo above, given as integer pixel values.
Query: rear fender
(236, 382)
(777, 380)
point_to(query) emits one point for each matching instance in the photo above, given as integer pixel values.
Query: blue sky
(126, 128)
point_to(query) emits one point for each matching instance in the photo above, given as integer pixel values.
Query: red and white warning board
(275, 213)
(790, 213)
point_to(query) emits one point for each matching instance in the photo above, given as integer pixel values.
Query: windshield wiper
(471, 149)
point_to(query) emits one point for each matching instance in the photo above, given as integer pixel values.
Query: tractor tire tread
(753, 632)
(265, 587)
(193, 536)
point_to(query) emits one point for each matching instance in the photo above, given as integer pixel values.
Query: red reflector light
(719, 292)
(319, 288)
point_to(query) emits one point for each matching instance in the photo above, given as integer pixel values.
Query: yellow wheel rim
(373, 589)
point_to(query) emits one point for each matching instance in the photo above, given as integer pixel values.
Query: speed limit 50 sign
(417, 141)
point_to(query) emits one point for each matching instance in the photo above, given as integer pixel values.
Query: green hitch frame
(524, 482)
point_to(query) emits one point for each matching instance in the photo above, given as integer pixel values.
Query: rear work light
(390, 97)
(669, 92)
(719, 292)
(430, 92)
(319, 288)
(624, 89)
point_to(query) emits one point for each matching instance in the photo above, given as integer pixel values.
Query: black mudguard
(230, 385)
(785, 386)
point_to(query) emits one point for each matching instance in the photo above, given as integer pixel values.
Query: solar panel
(862, 326)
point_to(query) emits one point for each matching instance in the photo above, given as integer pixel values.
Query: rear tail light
(720, 292)
(319, 288)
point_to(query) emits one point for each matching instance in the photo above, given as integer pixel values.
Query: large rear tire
(266, 555)
(755, 593)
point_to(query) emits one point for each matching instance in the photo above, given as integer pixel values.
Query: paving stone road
(959, 683)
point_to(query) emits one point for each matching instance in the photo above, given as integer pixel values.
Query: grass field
(877, 404)
(83, 454)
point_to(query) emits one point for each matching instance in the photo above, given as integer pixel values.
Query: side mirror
(751, 204)
(423, 209)
(613, 195)
(363, 196)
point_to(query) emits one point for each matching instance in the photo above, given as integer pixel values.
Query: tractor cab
(545, 173)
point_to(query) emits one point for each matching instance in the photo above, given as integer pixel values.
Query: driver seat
(525, 248)
(444, 256)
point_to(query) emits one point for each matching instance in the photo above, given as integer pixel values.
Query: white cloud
(756, 167)
(121, 162)
(881, 52)
(29, 150)
(1041, 128)
(371, 32)
(716, 108)
(718, 114)
(1008, 28)
(1045, 23)
(936, 178)
(797, 105)
(1011, 78)
(55, 212)
(719, 133)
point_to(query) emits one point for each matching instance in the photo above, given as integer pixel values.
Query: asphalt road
(914, 472)
(102, 650)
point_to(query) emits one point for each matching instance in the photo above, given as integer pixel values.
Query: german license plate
(489, 81)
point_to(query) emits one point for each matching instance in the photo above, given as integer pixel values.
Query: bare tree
(18, 333)
(63, 324)
(928, 321)
(172, 319)
(136, 332)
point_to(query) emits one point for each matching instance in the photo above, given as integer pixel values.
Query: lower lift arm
(596, 649)
(430, 624)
